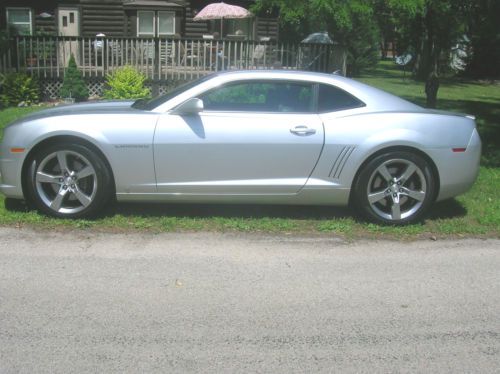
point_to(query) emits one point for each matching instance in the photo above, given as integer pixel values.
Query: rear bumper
(457, 170)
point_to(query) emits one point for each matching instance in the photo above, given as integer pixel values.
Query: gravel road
(206, 302)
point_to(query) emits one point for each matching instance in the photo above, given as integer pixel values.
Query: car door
(253, 137)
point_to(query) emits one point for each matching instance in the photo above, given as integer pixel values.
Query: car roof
(280, 74)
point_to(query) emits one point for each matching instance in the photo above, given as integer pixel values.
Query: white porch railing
(163, 59)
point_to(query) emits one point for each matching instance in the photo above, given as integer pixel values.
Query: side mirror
(189, 107)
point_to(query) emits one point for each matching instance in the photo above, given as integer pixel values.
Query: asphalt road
(83, 302)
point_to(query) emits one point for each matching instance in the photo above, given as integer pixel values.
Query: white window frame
(156, 23)
(20, 23)
(139, 34)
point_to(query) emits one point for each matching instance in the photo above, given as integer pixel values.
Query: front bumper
(10, 173)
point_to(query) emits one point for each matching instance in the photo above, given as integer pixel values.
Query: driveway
(208, 302)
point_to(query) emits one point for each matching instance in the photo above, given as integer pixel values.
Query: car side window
(331, 99)
(258, 96)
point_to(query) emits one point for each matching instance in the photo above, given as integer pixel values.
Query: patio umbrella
(319, 38)
(221, 11)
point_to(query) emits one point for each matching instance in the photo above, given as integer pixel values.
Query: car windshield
(159, 100)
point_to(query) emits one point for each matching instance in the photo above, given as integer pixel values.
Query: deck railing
(163, 59)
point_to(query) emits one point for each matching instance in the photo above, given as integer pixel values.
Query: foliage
(484, 33)
(19, 87)
(351, 23)
(73, 83)
(126, 83)
(4, 41)
(429, 28)
(362, 45)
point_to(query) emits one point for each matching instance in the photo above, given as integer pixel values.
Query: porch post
(155, 85)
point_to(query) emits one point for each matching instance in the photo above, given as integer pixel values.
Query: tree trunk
(428, 68)
(431, 90)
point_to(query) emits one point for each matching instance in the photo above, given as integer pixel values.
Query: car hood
(98, 107)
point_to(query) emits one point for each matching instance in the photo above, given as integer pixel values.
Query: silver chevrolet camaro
(272, 137)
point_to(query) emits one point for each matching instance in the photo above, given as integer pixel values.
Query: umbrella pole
(221, 24)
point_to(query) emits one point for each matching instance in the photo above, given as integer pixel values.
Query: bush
(19, 87)
(126, 83)
(73, 83)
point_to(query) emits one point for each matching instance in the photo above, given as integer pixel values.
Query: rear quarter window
(331, 99)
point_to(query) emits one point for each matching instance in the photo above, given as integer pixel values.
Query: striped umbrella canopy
(220, 11)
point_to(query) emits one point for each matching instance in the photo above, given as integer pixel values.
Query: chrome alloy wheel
(396, 189)
(66, 182)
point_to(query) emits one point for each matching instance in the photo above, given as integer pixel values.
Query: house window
(240, 27)
(145, 23)
(166, 23)
(151, 23)
(19, 20)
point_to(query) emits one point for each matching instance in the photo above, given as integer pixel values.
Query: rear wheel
(68, 181)
(395, 188)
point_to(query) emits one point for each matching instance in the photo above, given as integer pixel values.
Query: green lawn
(475, 214)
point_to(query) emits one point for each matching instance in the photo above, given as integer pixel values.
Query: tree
(484, 34)
(362, 42)
(351, 23)
(73, 83)
(429, 28)
(387, 24)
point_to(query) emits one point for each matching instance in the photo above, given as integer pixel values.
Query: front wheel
(395, 188)
(68, 181)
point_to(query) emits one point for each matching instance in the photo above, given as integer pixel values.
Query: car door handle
(302, 130)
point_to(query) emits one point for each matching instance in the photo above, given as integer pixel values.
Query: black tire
(395, 188)
(79, 190)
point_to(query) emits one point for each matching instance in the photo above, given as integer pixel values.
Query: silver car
(273, 137)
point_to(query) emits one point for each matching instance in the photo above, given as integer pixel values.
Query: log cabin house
(127, 18)
(157, 37)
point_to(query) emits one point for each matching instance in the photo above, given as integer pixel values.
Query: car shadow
(442, 210)
(229, 211)
(445, 209)
(450, 208)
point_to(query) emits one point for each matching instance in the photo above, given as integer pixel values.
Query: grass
(475, 214)
(11, 114)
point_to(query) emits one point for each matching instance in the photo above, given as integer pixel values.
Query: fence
(161, 60)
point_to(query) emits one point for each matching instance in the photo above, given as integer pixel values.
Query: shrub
(126, 83)
(73, 83)
(19, 87)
